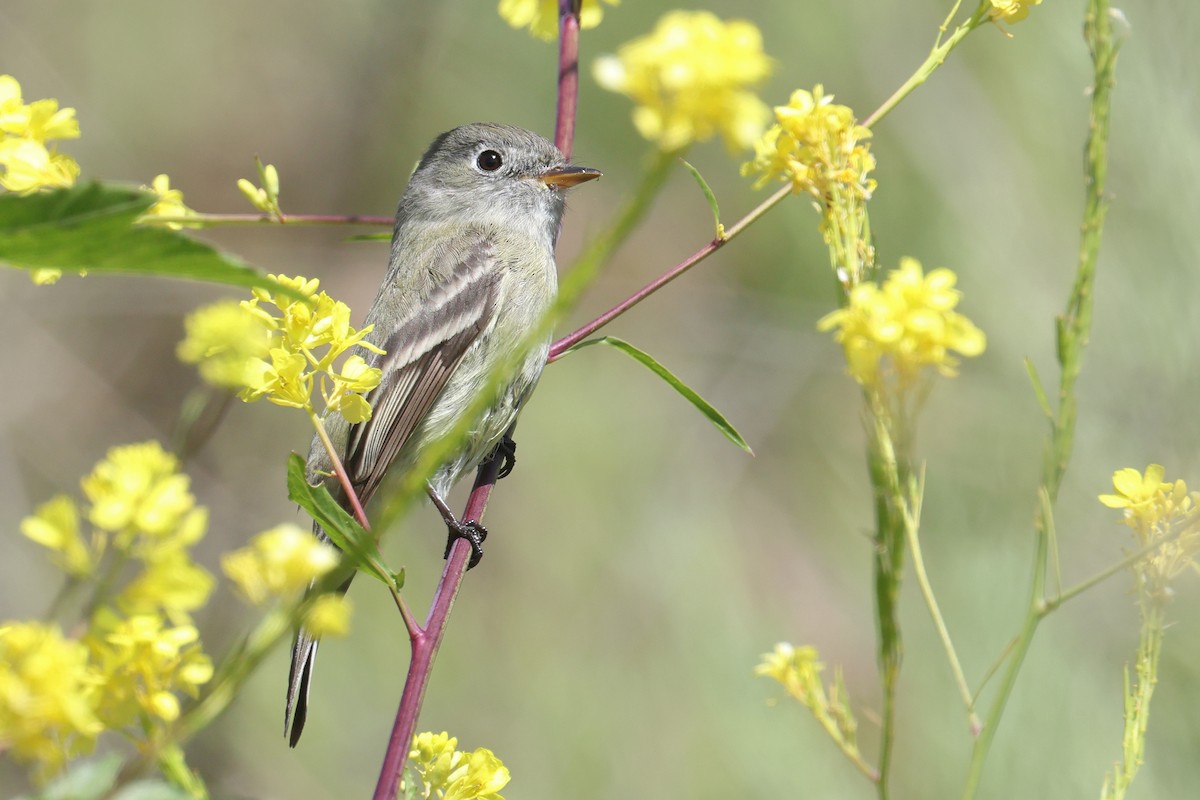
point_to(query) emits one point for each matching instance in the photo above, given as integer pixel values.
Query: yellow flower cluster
(169, 203)
(47, 696)
(27, 162)
(691, 78)
(817, 146)
(306, 338)
(1012, 10)
(281, 562)
(799, 672)
(1158, 511)
(225, 343)
(139, 648)
(907, 324)
(447, 773)
(541, 16)
(144, 662)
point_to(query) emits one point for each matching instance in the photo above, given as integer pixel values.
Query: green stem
(1072, 335)
(888, 479)
(340, 470)
(960, 680)
(934, 60)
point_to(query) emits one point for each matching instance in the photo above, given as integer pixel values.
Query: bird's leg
(470, 530)
(505, 452)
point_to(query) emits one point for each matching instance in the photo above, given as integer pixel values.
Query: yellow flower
(47, 276)
(433, 758)
(355, 376)
(47, 696)
(1156, 509)
(329, 615)
(169, 204)
(480, 775)
(223, 340)
(306, 338)
(173, 584)
(1012, 10)
(144, 663)
(541, 16)
(796, 668)
(691, 78)
(137, 494)
(281, 562)
(818, 146)
(907, 324)
(450, 774)
(47, 121)
(55, 525)
(27, 163)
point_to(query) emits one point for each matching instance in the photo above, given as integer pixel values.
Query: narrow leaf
(708, 195)
(689, 394)
(1038, 390)
(341, 528)
(91, 227)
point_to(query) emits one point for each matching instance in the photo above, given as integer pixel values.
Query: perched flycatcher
(471, 273)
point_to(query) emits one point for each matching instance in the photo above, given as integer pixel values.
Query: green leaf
(689, 394)
(83, 780)
(708, 195)
(341, 528)
(1038, 390)
(91, 227)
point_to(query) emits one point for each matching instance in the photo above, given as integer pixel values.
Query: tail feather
(304, 656)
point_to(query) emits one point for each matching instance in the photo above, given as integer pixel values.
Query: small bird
(471, 273)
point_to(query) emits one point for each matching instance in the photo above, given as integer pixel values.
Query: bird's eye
(489, 161)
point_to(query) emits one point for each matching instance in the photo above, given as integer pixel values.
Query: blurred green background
(639, 564)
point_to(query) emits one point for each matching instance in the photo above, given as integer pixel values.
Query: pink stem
(425, 642)
(567, 342)
(568, 75)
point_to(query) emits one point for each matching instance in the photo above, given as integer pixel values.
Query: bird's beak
(567, 176)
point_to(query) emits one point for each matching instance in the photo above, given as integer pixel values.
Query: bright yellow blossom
(46, 276)
(173, 585)
(55, 525)
(306, 337)
(138, 494)
(816, 145)
(224, 340)
(1156, 509)
(691, 78)
(169, 204)
(144, 663)
(329, 615)
(450, 774)
(799, 672)
(904, 326)
(1012, 10)
(27, 162)
(47, 696)
(281, 562)
(541, 16)
(29, 165)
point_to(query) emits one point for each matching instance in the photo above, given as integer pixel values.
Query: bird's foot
(473, 532)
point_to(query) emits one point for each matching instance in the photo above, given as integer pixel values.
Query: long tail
(304, 655)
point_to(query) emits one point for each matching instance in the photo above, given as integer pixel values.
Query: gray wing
(422, 354)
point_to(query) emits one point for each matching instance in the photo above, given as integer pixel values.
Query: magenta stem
(568, 75)
(426, 641)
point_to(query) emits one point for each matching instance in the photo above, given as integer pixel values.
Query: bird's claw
(474, 533)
